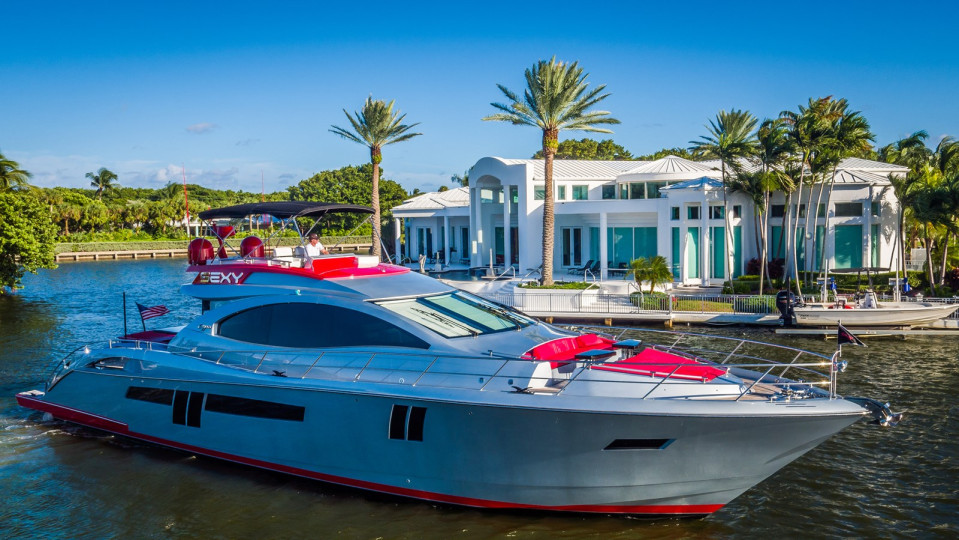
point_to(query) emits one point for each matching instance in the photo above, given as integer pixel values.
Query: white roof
(668, 168)
(576, 169)
(860, 164)
(437, 200)
(861, 177)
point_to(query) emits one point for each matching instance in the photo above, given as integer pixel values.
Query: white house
(612, 212)
(435, 223)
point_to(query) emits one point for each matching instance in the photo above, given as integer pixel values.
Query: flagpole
(143, 321)
(125, 333)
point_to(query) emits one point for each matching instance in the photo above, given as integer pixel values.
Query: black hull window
(254, 407)
(160, 396)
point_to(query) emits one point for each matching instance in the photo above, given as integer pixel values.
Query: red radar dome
(251, 246)
(200, 251)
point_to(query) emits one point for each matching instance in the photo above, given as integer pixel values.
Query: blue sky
(235, 90)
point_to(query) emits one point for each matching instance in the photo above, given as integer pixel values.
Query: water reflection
(63, 481)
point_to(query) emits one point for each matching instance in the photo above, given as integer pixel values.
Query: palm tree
(807, 130)
(375, 126)
(772, 152)
(655, 270)
(850, 136)
(103, 181)
(11, 175)
(911, 152)
(462, 181)
(730, 138)
(556, 98)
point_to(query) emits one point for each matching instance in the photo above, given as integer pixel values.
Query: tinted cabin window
(314, 325)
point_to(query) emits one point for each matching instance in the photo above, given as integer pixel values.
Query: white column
(603, 261)
(507, 240)
(704, 241)
(480, 245)
(396, 239)
(447, 238)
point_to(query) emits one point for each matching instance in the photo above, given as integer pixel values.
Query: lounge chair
(581, 269)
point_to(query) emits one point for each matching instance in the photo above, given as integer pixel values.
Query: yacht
(351, 371)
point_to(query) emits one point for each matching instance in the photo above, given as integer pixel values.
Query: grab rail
(496, 372)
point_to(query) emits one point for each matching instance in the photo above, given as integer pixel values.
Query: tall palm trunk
(550, 144)
(727, 233)
(376, 157)
(795, 228)
(944, 258)
(822, 249)
(927, 242)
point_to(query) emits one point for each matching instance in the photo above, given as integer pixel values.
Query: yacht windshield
(457, 314)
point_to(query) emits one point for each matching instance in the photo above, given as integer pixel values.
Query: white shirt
(314, 251)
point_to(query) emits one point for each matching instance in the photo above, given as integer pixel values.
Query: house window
(692, 212)
(875, 207)
(624, 191)
(486, 195)
(717, 212)
(539, 193)
(609, 192)
(652, 189)
(737, 211)
(514, 194)
(637, 190)
(802, 210)
(580, 193)
(561, 193)
(778, 210)
(674, 213)
(848, 209)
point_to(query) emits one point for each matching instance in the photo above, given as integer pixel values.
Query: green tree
(375, 126)
(588, 149)
(462, 181)
(849, 135)
(348, 185)
(808, 130)
(654, 270)
(103, 180)
(27, 237)
(772, 153)
(730, 139)
(12, 177)
(556, 98)
(678, 152)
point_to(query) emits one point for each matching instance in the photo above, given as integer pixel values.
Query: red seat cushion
(562, 350)
(655, 363)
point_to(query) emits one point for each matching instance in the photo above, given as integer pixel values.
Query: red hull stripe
(99, 422)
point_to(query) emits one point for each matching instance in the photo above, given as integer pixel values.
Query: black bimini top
(283, 210)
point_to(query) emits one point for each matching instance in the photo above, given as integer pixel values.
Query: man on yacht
(315, 248)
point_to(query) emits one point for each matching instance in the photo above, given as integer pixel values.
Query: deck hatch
(638, 444)
(161, 396)
(254, 407)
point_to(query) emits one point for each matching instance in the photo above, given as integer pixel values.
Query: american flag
(151, 312)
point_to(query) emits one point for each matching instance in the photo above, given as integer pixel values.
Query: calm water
(58, 481)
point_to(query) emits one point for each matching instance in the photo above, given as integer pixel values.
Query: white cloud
(202, 127)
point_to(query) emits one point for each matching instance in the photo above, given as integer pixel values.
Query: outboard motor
(785, 301)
